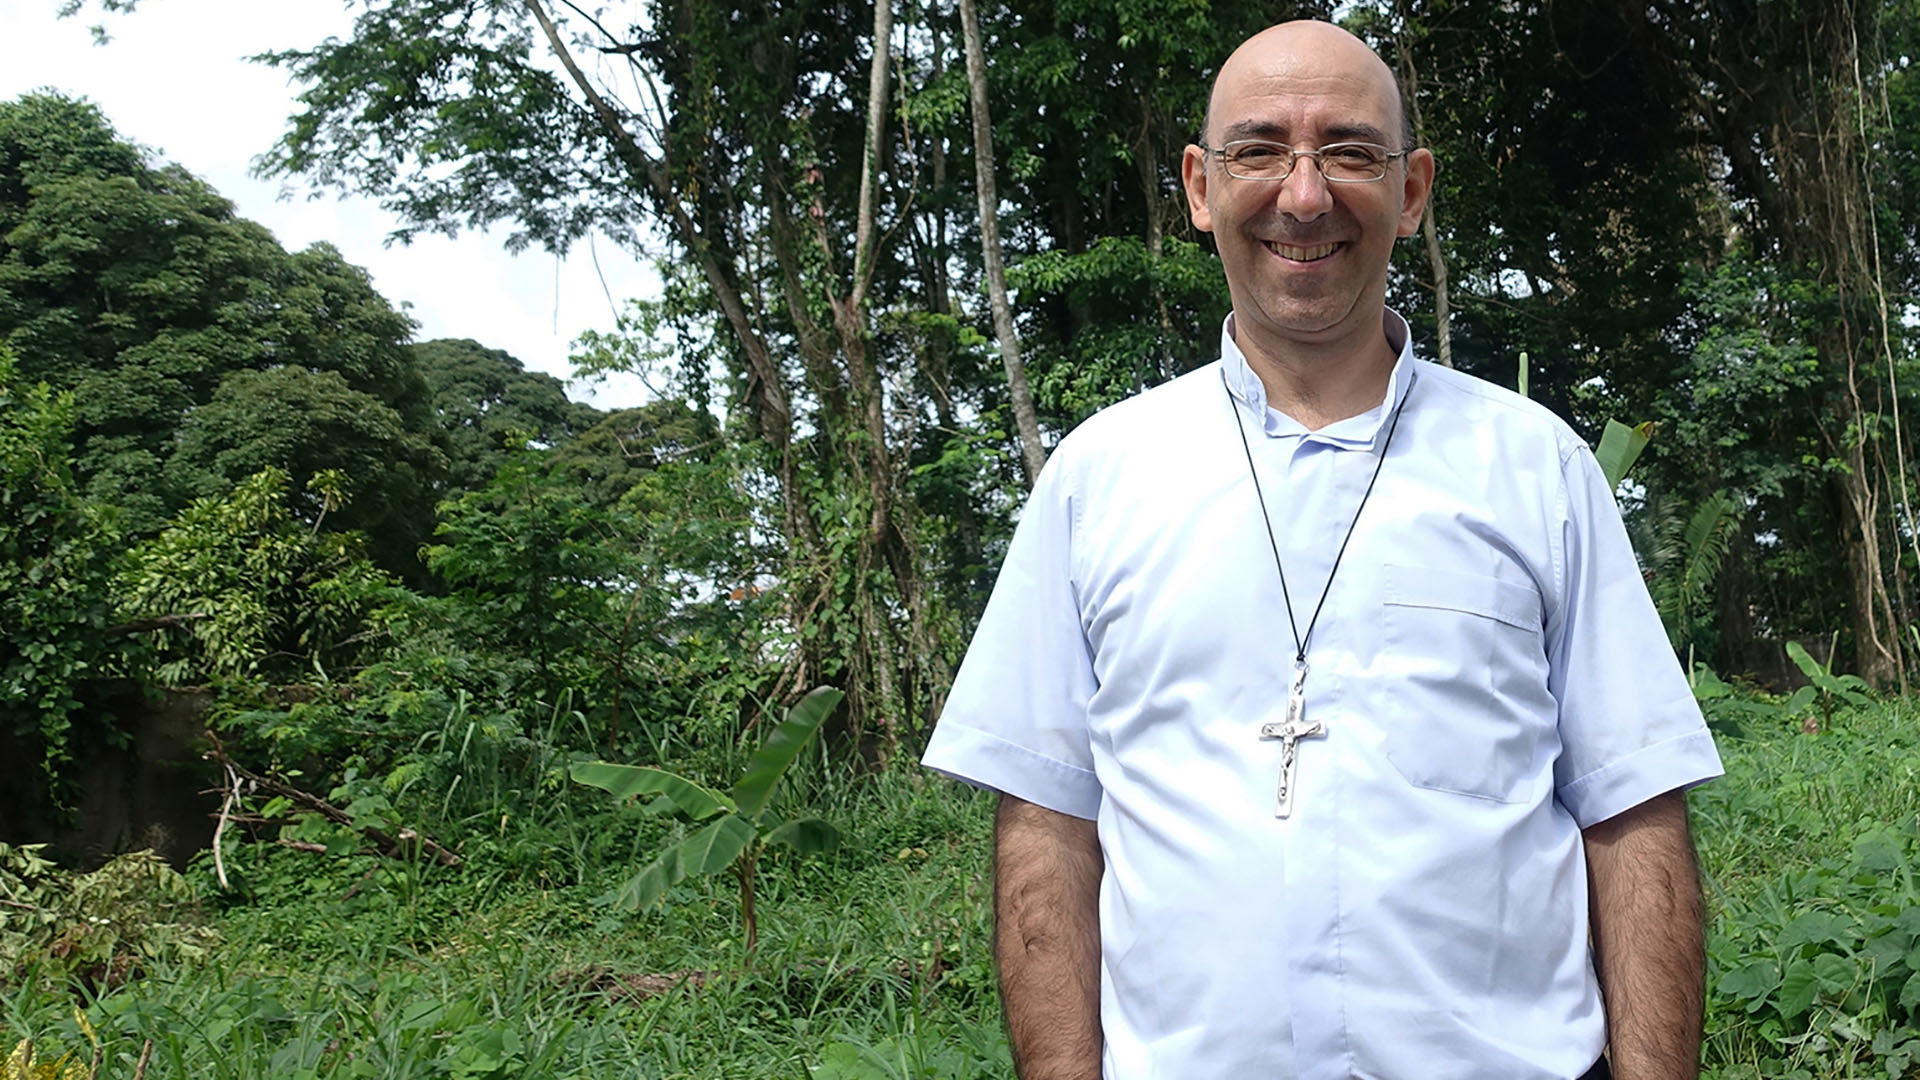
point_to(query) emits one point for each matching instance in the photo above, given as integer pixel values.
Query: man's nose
(1304, 194)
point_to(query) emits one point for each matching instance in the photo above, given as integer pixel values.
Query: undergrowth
(873, 961)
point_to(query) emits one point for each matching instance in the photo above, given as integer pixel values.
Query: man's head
(1305, 258)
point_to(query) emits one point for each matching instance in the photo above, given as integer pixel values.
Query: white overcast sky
(174, 79)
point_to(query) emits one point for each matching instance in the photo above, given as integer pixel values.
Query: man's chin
(1311, 323)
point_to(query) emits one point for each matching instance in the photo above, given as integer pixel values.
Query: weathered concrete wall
(147, 793)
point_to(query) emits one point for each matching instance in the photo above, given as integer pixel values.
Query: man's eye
(1250, 154)
(1353, 155)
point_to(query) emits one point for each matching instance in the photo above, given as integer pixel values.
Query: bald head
(1288, 46)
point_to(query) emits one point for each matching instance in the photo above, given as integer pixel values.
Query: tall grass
(873, 962)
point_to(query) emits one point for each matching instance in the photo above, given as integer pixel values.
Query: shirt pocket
(1463, 699)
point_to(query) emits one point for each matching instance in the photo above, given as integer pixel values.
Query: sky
(174, 78)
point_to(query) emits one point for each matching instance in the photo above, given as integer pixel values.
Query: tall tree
(136, 286)
(485, 402)
(1033, 454)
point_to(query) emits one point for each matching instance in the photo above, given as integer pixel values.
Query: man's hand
(1046, 936)
(1647, 938)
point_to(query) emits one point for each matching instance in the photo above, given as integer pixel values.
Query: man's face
(1306, 260)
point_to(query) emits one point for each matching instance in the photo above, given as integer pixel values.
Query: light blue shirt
(1490, 672)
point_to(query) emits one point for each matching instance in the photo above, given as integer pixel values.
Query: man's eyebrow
(1267, 129)
(1356, 133)
(1254, 129)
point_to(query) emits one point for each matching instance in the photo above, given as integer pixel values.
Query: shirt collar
(1354, 431)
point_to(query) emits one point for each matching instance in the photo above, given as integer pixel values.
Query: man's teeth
(1301, 254)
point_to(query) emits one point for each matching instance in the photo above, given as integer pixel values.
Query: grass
(873, 962)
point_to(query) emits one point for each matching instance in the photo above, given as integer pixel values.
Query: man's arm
(1046, 935)
(1648, 942)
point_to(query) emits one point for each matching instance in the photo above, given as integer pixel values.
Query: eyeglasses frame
(1293, 163)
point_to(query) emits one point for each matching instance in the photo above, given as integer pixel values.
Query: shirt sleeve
(1016, 719)
(1629, 726)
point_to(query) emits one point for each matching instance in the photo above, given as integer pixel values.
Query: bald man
(1335, 732)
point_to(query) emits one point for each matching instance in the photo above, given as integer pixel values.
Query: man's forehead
(1275, 73)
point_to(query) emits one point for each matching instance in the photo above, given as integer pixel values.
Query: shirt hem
(1668, 765)
(988, 761)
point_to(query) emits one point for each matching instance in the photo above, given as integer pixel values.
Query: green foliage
(1807, 849)
(264, 593)
(1726, 708)
(101, 928)
(742, 826)
(1681, 551)
(56, 563)
(488, 405)
(621, 568)
(30, 1062)
(1140, 343)
(1824, 689)
(1620, 446)
(307, 423)
(1831, 956)
(979, 1053)
(136, 286)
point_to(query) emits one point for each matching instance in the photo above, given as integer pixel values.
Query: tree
(57, 553)
(136, 286)
(272, 597)
(485, 401)
(307, 423)
(1033, 455)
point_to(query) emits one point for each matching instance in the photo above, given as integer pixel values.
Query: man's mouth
(1301, 254)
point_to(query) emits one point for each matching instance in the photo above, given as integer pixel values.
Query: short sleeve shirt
(1489, 671)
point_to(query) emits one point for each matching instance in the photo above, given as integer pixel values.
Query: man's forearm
(1046, 889)
(1648, 940)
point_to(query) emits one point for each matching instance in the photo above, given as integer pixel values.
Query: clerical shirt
(1489, 670)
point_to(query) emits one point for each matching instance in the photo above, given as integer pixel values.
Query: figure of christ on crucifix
(1484, 870)
(1290, 732)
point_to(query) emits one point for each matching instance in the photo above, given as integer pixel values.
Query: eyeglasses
(1340, 163)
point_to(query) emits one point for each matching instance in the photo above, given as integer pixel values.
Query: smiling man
(1335, 731)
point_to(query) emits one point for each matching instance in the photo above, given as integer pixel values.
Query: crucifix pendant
(1290, 732)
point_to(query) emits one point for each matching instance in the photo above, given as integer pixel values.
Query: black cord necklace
(1296, 727)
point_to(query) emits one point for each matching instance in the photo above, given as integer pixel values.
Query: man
(1340, 793)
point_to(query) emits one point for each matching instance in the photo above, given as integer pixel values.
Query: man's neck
(1321, 383)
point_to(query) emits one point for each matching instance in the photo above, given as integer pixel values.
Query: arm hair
(1648, 941)
(1046, 891)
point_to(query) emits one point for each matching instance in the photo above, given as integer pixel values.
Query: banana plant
(735, 827)
(1620, 447)
(1823, 688)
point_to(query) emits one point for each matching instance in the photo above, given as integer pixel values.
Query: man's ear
(1193, 176)
(1414, 193)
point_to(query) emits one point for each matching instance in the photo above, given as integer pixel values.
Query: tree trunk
(1031, 453)
(1443, 329)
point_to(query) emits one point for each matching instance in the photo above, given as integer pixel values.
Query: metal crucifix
(1290, 732)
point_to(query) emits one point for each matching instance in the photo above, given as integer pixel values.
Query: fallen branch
(392, 845)
(304, 845)
(226, 807)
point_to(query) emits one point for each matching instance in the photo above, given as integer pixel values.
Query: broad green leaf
(806, 836)
(1910, 993)
(1835, 974)
(1751, 983)
(770, 762)
(1620, 447)
(712, 848)
(1797, 653)
(625, 781)
(1797, 989)
(1816, 928)
(1801, 698)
